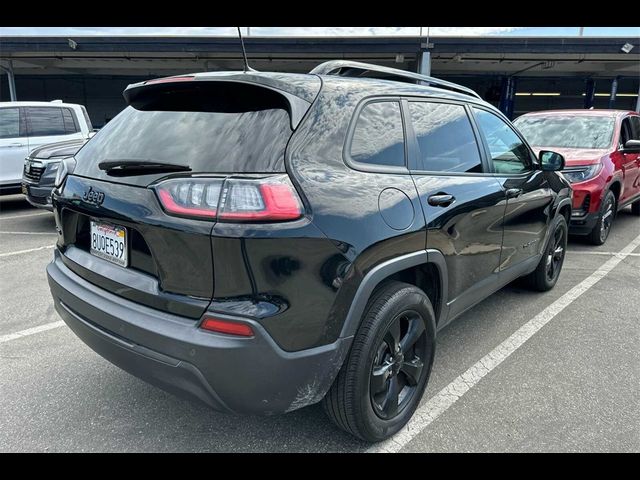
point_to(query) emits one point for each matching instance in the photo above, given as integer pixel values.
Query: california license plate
(109, 242)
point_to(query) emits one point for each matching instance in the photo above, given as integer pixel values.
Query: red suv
(602, 153)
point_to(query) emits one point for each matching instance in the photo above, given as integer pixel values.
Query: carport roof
(142, 55)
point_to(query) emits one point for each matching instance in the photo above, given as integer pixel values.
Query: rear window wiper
(139, 167)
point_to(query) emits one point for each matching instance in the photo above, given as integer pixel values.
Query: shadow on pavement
(15, 203)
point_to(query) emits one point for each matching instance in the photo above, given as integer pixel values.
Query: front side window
(446, 142)
(46, 121)
(508, 152)
(378, 138)
(634, 120)
(625, 132)
(9, 123)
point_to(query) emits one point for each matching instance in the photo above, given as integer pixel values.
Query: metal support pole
(12, 82)
(638, 101)
(589, 93)
(503, 105)
(424, 66)
(424, 62)
(512, 97)
(614, 92)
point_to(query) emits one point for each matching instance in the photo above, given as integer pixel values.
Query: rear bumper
(244, 375)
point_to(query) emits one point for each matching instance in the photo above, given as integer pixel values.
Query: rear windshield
(567, 132)
(215, 128)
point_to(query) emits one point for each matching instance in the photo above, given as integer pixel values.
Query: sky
(326, 31)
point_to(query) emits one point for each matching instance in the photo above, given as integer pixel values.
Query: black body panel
(527, 216)
(175, 251)
(246, 375)
(469, 231)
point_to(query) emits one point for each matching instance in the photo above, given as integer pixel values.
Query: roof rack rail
(349, 67)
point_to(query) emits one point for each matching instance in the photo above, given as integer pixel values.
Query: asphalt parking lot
(521, 371)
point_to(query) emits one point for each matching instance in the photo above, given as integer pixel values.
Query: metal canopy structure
(517, 74)
(148, 56)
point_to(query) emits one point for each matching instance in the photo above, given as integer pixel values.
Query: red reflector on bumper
(224, 326)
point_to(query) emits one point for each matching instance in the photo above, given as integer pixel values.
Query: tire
(635, 208)
(546, 274)
(607, 213)
(360, 401)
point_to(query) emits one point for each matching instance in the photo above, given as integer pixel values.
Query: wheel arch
(616, 189)
(425, 269)
(564, 208)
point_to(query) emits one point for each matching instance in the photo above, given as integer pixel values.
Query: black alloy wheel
(398, 364)
(607, 218)
(555, 254)
(387, 369)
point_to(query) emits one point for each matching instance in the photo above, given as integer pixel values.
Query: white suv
(25, 126)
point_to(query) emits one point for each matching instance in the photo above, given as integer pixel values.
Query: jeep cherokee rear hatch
(137, 212)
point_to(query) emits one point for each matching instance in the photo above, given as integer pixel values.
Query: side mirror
(632, 146)
(551, 161)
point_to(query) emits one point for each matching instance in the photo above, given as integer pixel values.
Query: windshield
(567, 132)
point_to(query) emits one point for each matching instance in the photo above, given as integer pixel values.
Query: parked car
(601, 148)
(25, 126)
(265, 241)
(41, 167)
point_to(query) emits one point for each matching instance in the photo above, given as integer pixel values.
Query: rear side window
(211, 127)
(446, 142)
(48, 121)
(9, 122)
(378, 137)
(70, 124)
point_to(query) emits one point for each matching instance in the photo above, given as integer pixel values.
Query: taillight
(268, 199)
(228, 327)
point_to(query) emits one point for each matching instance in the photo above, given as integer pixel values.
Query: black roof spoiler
(297, 106)
(349, 68)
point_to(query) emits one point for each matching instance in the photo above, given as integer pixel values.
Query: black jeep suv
(265, 241)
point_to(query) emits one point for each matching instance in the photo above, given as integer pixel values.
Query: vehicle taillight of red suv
(601, 148)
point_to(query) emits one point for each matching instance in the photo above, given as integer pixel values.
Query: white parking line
(9, 254)
(25, 215)
(31, 331)
(453, 392)
(29, 233)
(611, 254)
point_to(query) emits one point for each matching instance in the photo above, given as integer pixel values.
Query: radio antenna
(247, 68)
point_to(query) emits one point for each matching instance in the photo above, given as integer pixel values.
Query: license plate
(25, 189)
(109, 242)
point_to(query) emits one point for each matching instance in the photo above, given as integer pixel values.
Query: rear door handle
(16, 145)
(441, 200)
(513, 192)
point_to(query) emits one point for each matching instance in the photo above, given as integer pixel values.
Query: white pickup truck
(25, 126)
